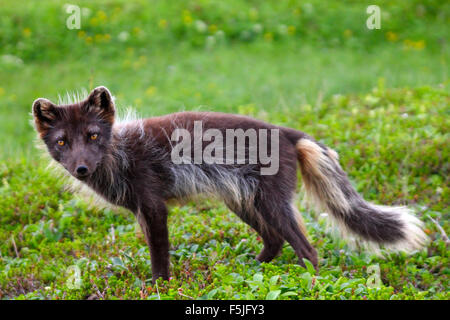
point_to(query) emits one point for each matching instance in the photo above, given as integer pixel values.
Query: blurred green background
(379, 97)
(163, 56)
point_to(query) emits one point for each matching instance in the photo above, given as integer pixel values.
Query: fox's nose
(82, 170)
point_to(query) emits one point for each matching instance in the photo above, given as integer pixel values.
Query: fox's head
(77, 135)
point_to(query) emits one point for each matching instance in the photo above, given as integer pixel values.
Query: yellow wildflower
(268, 36)
(348, 33)
(391, 36)
(101, 16)
(291, 30)
(116, 14)
(187, 19)
(212, 28)
(162, 23)
(416, 45)
(150, 91)
(142, 60)
(26, 32)
(94, 21)
(81, 34)
(102, 37)
(419, 45)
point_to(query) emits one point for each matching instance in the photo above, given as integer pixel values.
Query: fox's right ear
(44, 113)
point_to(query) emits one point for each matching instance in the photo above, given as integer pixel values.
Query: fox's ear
(101, 102)
(44, 113)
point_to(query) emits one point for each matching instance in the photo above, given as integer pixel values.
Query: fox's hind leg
(281, 216)
(273, 242)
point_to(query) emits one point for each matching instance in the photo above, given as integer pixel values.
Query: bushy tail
(328, 187)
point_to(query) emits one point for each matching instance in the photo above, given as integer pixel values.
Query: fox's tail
(329, 189)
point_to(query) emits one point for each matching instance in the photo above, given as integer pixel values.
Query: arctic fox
(140, 165)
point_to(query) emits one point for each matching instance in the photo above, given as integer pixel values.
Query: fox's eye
(61, 142)
(94, 136)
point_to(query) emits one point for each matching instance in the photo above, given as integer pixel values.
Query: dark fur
(130, 166)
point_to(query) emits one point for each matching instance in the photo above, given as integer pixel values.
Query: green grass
(380, 99)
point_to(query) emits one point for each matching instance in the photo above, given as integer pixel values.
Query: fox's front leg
(153, 221)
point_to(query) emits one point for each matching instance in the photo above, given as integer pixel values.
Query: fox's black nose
(82, 170)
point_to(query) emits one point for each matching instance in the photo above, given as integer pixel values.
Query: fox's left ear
(101, 101)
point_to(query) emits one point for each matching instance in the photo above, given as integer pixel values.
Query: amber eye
(61, 142)
(94, 136)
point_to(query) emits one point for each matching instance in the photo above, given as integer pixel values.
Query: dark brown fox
(131, 164)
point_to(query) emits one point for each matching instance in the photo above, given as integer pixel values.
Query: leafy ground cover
(380, 98)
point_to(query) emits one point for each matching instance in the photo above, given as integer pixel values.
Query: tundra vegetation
(380, 98)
